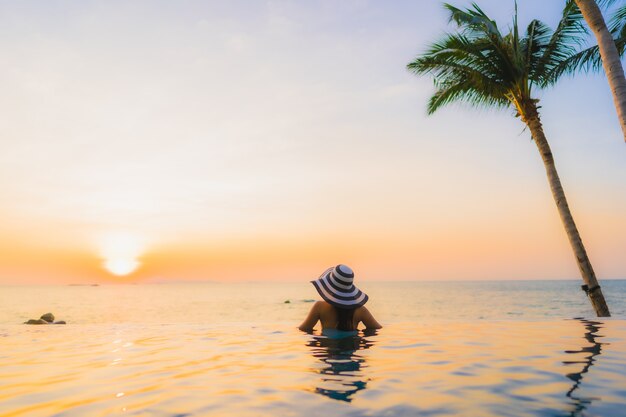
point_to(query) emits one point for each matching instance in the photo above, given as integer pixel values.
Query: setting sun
(120, 252)
(121, 266)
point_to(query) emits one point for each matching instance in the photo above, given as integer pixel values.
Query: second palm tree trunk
(610, 56)
(531, 118)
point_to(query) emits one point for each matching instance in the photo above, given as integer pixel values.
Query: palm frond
(534, 47)
(589, 59)
(617, 27)
(464, 91)
(564, 42)
(479, 65)
(607, 3)
(463, 70)
(618, 20)
(476, 26)
(457, 48)
(473, 21)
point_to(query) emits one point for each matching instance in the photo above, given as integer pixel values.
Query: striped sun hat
(335, 287)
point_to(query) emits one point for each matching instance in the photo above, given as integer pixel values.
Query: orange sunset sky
(268, 140)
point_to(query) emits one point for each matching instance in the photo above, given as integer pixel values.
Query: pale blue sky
(234, 121)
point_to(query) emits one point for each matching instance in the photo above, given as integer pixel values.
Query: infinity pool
(464, 368)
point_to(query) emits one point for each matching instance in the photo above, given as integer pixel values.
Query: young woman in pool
(343, 306)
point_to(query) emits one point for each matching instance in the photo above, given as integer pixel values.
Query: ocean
(489, 348)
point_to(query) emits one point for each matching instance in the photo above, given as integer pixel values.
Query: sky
(147, 141)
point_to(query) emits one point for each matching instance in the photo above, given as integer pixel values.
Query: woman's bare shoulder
(322, 305)
(362, 314)
(361, 310)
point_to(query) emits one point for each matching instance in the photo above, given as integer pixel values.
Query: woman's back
(332, 317)
(342, 319)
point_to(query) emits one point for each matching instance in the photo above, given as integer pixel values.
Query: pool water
(571, 367)
(447, 349)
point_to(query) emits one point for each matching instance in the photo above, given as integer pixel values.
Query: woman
(343, 305)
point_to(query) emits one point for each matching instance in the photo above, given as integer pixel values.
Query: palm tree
(593, 58)
(480, 65)
(610, 56)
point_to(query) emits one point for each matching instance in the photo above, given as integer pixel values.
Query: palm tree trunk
(610, 56)
(532, 120)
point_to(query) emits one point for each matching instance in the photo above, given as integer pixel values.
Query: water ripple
(560, 368)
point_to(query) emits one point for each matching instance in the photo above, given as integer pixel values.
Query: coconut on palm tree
(610, 56)
(482, 66)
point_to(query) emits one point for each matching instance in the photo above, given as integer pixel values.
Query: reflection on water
(342, 368)
(435, 369)
(581, 403)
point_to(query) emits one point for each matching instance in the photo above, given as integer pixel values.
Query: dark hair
(345, 318)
